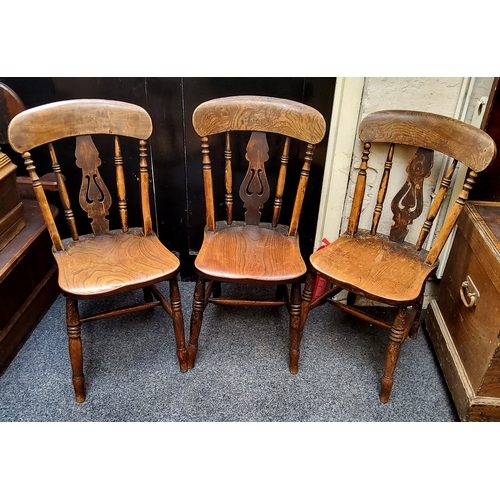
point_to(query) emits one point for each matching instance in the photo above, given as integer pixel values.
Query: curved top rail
(50, 122)
(468, 144)
(262, 114)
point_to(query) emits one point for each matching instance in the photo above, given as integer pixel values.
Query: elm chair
(106, 261)
(383, 267)
(251, 252)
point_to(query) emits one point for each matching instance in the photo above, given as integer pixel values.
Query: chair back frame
(428, 132)
(83, 118)
(259, 115)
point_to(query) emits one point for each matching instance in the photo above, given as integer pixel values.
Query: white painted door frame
(343, 128)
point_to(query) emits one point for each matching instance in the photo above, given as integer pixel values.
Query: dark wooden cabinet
(464, 320)
(28, 283)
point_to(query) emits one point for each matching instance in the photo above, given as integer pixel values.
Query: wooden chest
(11, 209)
(464, 320)
(28, 283)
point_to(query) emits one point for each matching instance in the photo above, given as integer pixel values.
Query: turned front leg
(75, 348)
(396, 338)
(196, 319)
(178, 321)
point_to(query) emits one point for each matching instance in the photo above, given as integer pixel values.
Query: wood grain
(253, 252)
(99, 266)
(260, 114)
(373, 266)
(386, 269)
(51, 122)
(109, 261)
(468, 144)
(246, 254)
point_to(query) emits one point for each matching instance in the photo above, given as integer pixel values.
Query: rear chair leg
(178, 320)
(196, 319)
(75, 348)
(305, 304)
(148, 295)
(417, 307)
(351, 299)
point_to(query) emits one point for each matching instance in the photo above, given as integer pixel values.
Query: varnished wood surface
(373, 266)
(51, 122)
(487, 214)
(474, 330)
(254, 190)
(10, 106)
(466, 338)
(469, 145)
(386, 269)
(99, 266)
(280, 116)
(28, 283)
(250, 254)
(255, 251)
(470, 407)
(12, 254)
(109, 261)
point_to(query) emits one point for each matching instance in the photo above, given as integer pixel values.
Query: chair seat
(250, 254)
(97, 266)
(374, 266)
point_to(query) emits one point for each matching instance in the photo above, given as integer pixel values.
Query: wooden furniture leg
(178, 321)
(396, 338)
(295, 327)
(75, 348)
(306, 300)
(417, 308)
(199, 305)
(148, 295)
(351, 298)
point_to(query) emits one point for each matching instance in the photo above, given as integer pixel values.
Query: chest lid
(487, 218)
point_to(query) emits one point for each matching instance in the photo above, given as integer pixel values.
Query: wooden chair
(385, 268)
(252, 252)
(108, 261)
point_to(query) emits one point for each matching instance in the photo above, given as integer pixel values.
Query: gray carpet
(241, 374)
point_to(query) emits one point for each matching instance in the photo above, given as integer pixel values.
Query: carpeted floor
(241, 374)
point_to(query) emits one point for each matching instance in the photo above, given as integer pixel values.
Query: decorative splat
(254, 190)
(94, 195)
(408, 203)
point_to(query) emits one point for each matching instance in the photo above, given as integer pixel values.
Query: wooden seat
(106, 261)
(249, 251)
(383, 267)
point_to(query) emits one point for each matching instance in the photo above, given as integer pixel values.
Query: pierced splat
(94, 195)
(408, 203)
(254, 190)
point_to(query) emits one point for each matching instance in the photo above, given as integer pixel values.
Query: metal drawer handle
(469, 293)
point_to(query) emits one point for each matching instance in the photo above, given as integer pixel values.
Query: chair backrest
(429, 132)
(83, 118)
(258, 115)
